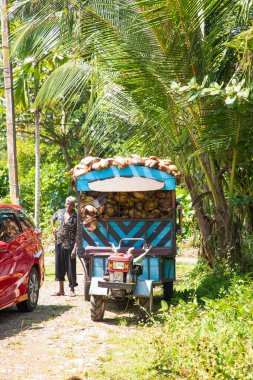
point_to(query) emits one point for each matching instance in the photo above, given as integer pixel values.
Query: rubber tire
(97, 308)
(33, 293)
(86, 290)
(167, 291)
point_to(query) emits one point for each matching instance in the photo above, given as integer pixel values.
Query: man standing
(65, 246)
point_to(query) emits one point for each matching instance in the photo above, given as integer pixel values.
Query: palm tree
(10, 114)
(161, 67)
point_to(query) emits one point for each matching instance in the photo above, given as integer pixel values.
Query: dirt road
(59, 340)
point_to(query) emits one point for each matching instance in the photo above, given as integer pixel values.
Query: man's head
(70, 203)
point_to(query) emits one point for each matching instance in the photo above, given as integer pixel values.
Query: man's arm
(73, 253)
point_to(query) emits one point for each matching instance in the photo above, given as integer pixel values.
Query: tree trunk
(10, 115)
(37, 168)
(66, 155)
(204, 221)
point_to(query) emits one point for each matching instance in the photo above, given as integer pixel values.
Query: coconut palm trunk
(10, 114)
(37, 168)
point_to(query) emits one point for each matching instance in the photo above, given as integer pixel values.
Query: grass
(50, 270)
(206, 333)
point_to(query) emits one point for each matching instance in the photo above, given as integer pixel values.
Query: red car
(21, 259)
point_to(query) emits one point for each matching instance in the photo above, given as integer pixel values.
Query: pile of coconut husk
(90, 163)
(131, 205)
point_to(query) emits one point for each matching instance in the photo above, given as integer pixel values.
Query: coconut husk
(137, 161)
(91, 210)
(164, 168)
(96, 166)
(95, 163)
(90, 160)
(166, 162)
(91, 223)
(120, 162)
(160, 195)
(80, 170)
(105, 163)
(152, 164)
(172, 168)
(154, 158)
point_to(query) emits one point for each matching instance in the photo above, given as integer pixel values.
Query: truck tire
(167, 291)
(86, 290)
(97, 308)
(32, 292)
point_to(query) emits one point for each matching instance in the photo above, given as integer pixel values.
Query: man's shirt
(66, 232)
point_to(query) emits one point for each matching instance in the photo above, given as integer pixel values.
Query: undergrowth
(207, 332)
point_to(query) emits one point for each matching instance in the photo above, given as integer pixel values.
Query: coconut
(164, 168)
(172, 168)
(90, 210)
(80, 170)
(139, 195)
(166, 162)
(150, 205)
(88, 161)
(96, 166)
(154, 158)
(160, 194)
(137, 161)
(104, 163)
(152, 164)
(139, 206)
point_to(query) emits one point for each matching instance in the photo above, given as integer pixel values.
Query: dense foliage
(136, 73)
(55, 180)
(207, 332)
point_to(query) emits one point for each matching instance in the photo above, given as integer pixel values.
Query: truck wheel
(97, 308)
(86, 290)
(167, 290)
(33, 293)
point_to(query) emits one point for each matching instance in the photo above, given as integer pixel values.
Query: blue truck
(127, 224)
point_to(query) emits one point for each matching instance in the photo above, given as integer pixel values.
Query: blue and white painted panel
(97, 238)
(82, 183)
(126, 229)
(169, 269)
(159, 234)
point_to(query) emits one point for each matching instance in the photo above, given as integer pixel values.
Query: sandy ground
(57, 340)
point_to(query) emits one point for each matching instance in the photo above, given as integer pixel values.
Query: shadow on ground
(13, 322)
(130, 314)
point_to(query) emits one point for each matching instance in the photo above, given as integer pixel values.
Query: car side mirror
(3, 246)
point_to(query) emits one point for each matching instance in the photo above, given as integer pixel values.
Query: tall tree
(167, 69)
(10, 113)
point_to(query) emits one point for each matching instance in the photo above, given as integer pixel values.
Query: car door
(12, 257)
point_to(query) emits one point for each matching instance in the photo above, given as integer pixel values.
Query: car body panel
(18, 256)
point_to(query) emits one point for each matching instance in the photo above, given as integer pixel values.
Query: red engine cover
(126, 257)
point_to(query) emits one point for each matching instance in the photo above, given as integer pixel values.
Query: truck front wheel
(97, 308)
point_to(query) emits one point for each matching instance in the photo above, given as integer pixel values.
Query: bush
(208, 334)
